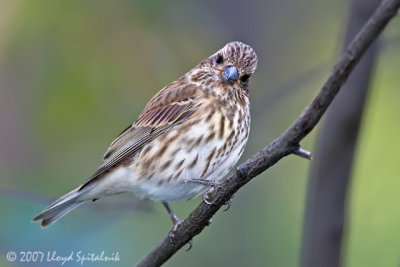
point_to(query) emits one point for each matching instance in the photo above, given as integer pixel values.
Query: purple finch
(185, 141)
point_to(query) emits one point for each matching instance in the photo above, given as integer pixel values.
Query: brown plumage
(188, 137)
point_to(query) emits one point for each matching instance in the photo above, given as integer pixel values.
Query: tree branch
(286, 144)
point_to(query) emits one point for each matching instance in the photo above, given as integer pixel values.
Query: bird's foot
(176, 221)
(171, 233)
(228, 203)
(213, 185)
(207, 195)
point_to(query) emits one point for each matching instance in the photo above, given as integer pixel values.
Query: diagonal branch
(286, 144)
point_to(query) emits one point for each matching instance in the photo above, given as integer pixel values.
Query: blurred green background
(73, 74)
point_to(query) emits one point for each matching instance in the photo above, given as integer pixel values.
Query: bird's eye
(219, 59)
(244, 78)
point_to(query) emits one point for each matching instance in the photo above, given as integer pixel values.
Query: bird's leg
(174, 218)
(213, 185)
(176, 221)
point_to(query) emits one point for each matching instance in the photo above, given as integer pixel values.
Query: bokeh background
(73, 74)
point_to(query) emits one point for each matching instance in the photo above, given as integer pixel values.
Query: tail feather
(52, 215)
(60, 207)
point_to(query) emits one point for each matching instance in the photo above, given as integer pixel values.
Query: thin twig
(284, 145)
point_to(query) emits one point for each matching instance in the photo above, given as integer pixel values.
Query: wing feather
(166, 110)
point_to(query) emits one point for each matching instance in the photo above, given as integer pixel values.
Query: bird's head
(232, 66)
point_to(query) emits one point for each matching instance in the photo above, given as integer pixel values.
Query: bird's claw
(190, 245)
(206, 195)
(228, 204)
(205, 199)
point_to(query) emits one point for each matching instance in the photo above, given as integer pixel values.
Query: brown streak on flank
(196, 143)
(236, 139)
(176, 177)
(220, 151)
(211, 108)
(179, 164)
(243, 139)
(170, 178)
(173, 154)
(230, 150)
(188, 141)
(210, 137)
(183, 140)
(166, 165)
(224, 147)
(230, 137)
(241, 151)
(221, 127)
(193, 163)
(161, 151)
(205, 169)
(150, 176)
(142, 175)
(210, 115)
(145, 164)
(230, 125)
(209, 159)
(146, 150)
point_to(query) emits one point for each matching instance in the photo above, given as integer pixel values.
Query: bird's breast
(205, 147)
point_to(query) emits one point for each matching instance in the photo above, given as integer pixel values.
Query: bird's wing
(165, 110)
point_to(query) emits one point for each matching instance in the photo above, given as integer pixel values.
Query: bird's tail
(60, 207)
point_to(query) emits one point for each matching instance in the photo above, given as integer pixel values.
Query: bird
(185, 141)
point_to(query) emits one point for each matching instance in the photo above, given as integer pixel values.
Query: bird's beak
(230, 74)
